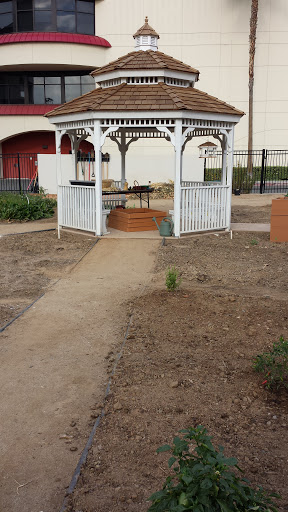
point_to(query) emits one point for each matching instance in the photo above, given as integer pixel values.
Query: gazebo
(147, 94)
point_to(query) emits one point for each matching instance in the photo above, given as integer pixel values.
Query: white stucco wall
(52, 55)
(213, 36)
(47, 171)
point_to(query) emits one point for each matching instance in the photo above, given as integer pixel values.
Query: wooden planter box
(279, 220)
(135, 219)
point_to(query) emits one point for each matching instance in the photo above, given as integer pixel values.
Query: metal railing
(203, 208)
(19, 172)
(267, 174)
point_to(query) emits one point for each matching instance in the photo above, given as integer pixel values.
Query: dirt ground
(31, 263)
(188, 361)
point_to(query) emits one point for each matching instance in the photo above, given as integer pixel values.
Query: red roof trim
(53, 37)
(25, 110)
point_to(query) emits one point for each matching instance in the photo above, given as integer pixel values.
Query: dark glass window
(85, 7)
(5, 7)
(85, 24)
(76, 16)
(66, 22)
(42, 4)
(24, 5)
(43, 21)
(43, 88)
(65, 5)
(6, 17)
(25, 21)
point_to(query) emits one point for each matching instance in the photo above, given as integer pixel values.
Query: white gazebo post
(98, 176)
(230, 144)
(123, 150)
(58, 138)
(177, 176)
(224, 160)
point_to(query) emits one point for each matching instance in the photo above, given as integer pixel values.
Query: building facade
(49, 47)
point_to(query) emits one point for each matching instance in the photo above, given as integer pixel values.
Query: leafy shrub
(172, 279)
(274, 365)
(203, 480)
(26, 207)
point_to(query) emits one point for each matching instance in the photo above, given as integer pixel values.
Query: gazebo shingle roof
(156, 97)
(145, 60)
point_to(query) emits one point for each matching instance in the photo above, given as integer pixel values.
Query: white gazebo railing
(203, 208)
(78, 207)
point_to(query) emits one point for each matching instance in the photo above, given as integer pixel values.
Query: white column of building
(98, 176)
(177, 176)
(230, 143)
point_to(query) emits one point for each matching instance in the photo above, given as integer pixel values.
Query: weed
(203, 480)
(172, 279)
(274, 365)
(254, 242)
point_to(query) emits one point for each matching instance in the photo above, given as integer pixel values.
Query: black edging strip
(53, 284)
(22, 312)
(29, 232)
(88, 445)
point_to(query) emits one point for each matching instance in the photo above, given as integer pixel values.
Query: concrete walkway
(53, 371)
(247, 226)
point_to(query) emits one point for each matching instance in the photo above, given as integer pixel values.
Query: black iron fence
(266, 171)
(19, 172)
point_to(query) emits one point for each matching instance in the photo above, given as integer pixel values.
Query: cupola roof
(146, 30)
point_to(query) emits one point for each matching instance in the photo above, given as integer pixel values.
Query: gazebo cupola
(146, 38)
(146, 65)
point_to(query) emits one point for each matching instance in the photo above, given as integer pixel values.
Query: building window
(76, 16)
(43, 88)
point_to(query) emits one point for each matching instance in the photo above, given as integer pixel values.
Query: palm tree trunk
(252, 48)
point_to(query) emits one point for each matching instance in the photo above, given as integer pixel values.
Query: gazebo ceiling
(156, 97)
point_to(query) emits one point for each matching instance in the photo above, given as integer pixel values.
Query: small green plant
(26, 207)
(173, 280)
(254, 242)
(203, 480)
(274, 365)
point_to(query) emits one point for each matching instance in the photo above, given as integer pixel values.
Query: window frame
(53, 17)
(4, 77)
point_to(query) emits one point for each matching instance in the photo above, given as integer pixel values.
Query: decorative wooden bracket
(123, 146)
(104, 134)
(59, 135)
(186, 136)
(171, 135)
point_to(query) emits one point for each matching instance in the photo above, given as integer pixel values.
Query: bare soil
(255, 214)
(31, 263)
(188, 361)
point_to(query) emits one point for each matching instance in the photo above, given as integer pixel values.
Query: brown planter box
(135, 219)
(279, 220)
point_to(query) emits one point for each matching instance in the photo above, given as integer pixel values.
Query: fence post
(19, 173)
(262, 181)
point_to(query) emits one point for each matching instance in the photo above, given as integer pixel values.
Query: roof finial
(146, 19)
